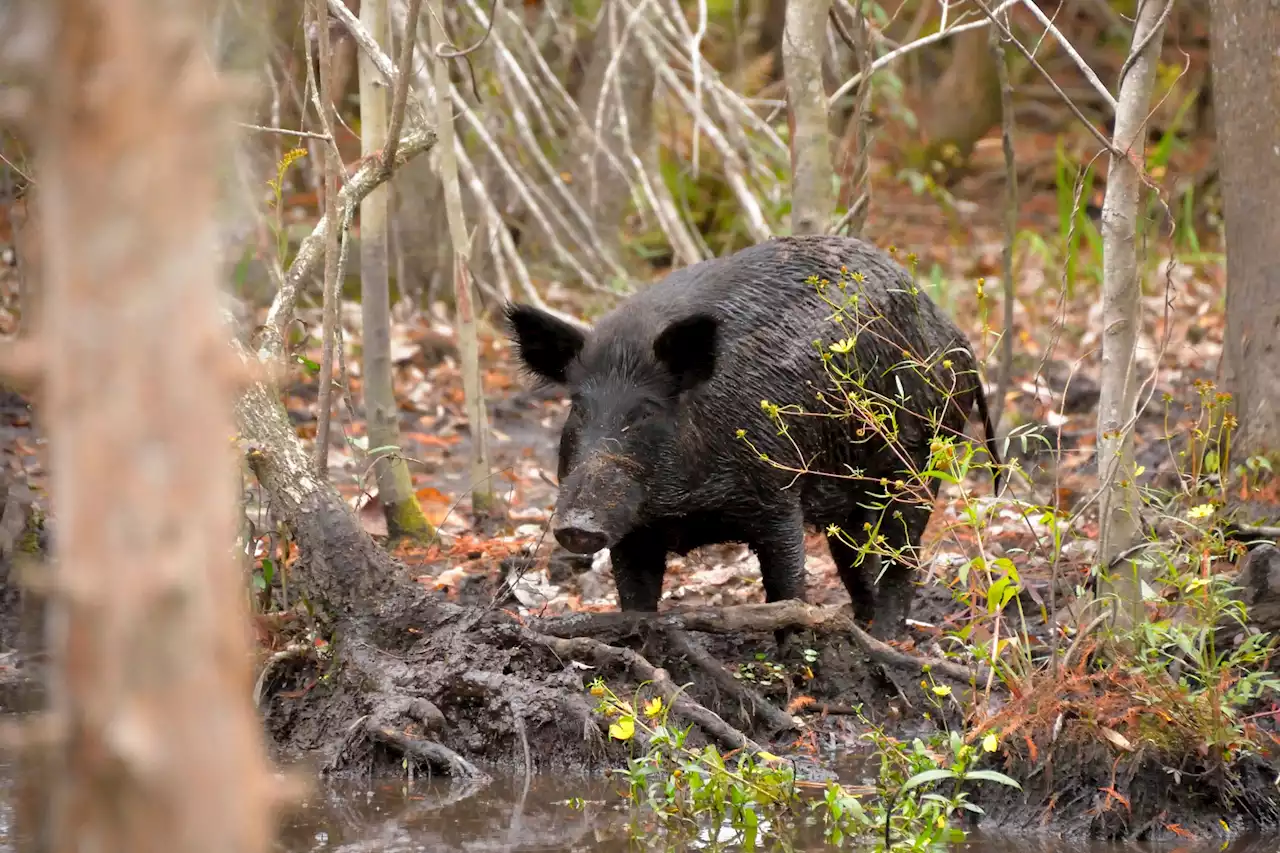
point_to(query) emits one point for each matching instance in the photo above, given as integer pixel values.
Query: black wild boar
(651, 455)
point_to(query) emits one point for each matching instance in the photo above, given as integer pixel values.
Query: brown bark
(965, 103)
(1246, 92)
(157, 745)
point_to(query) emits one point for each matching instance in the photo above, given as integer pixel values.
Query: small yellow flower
(623, 729)
(941, 690)
(653, 707)
(1201, 511)
(990, 743)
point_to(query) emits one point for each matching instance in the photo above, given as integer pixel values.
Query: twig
(448, 53)
(1030, 57)
(893, 55)
(1086, 631)
(855, 210)
(402, 84)
(695, 54)
(1071, 51)
(503, 235)
(1136, 52)
(1252, 530)
(305, 134)
(732, 163)
(370, 46)
(525, 190)
(311, 253)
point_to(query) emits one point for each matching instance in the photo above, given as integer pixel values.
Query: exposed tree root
(751, 702)
(427, 752)
(746, 618)
(292, 652)
(519, 692)
(710, 722)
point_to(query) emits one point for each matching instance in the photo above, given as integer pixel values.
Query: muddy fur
(666, 386)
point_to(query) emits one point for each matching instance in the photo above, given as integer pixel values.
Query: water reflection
(548, 815)
(579, 815)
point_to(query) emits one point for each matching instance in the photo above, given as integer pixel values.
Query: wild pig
(661, 449)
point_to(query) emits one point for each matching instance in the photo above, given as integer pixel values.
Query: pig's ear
(544, 344)
(687, 348)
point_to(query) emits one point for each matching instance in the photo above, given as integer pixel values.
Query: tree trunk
(965, 103)
(1246, 92)
(159, 747)
(1122, 318)
(771, 16)
(395, 487)
(482, 493)
(332, 286)
(612, 85)
(803, 46)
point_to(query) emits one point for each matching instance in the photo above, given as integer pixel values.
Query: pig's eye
(640, 414)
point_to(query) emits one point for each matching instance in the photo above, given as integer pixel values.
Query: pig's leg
(780, 548)
(638, 566)
(897, 588)
(859, 578)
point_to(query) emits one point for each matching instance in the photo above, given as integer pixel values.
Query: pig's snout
(580, 532)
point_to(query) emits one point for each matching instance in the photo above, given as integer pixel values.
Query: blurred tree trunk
(965, 102)
(812, 174)
(1246, 92)
(1122, 319)
(395, 487)
(772, 21)
(158, 746)
(628, 88)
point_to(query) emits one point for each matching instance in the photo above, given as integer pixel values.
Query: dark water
(402, 817)
(549, 815)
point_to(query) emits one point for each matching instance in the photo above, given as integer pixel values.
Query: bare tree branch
(402, 83)
(899, 52)
(310, 254)
(1071, 51)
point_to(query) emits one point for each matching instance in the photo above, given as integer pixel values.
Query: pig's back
(770, 313)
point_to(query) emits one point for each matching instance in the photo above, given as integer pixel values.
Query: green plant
(1074, 224)
(1190, 599)
(920, 785)
(276, 185)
